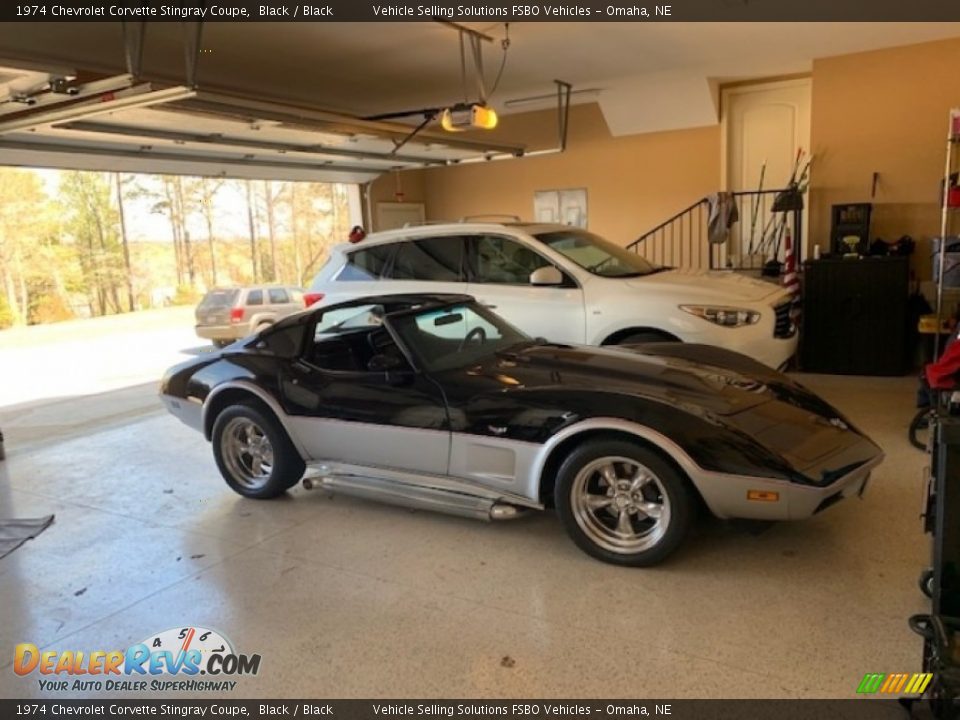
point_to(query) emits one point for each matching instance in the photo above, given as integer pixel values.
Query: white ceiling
(649, 76)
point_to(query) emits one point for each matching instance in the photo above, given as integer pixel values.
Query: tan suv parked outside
(228, 314)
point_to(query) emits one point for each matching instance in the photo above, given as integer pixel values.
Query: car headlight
(725, 316)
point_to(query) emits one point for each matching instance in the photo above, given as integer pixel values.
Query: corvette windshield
(596, 255)
(455, 336)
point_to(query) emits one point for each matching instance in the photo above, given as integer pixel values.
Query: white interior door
(766, 123)
(392, 215)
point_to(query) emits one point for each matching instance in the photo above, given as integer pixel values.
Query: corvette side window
(346, 340)
(343, 321)
(499, 260)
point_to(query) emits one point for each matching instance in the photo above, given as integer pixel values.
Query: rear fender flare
(260, 395)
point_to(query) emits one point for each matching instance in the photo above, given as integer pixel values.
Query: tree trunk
(128, 274)
(268, 199)
(185, 233)
(297, 259)
(253, 232)
(208, 216)
(11, 292)
(174, 228)
(101, 290)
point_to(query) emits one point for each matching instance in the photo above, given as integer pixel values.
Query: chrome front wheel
(623, 502)
(620, 504)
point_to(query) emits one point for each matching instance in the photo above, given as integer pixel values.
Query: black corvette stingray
(433, 401)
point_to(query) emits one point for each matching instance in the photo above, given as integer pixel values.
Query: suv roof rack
(421, 223)
(471, 218)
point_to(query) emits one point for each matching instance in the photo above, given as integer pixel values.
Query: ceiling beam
(136, 97)
(110, 128)
(253, 110)
(187, 164)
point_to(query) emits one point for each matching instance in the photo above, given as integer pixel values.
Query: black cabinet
(855, 316)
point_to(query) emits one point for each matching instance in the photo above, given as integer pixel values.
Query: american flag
(791, 280)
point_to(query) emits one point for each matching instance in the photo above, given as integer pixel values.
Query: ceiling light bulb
(446, 122)
(484, 117)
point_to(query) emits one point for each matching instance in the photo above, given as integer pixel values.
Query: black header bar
(479, 10)
(226, 709)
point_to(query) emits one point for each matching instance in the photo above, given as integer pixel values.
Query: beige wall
(384, 189)
(885, 112)
(632, 182)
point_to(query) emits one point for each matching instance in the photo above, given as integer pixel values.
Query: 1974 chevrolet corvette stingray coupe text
(433, 401)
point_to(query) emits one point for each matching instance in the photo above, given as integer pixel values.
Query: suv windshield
(596, 255)
(455, 336)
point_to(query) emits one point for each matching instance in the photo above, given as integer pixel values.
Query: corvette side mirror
(547, 275)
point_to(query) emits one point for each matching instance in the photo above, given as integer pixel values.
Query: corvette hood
(675, 380)
(717, 385)
(706, 286)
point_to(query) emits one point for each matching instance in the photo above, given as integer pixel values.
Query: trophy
(851, 241)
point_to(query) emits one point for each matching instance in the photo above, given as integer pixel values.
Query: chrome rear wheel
(248, 453)
(253, 451)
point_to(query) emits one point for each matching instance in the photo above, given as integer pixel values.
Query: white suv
(566, 285)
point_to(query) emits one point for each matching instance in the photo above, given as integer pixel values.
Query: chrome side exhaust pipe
(416, 497)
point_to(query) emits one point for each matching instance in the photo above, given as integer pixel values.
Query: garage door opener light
(466, 117)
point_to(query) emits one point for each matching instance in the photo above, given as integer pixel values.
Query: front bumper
(729, 496)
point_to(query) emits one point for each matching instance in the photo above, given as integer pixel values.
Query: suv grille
(783, 326)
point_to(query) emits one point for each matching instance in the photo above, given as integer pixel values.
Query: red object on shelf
(953, 197)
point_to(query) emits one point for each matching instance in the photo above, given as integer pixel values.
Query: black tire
(644, 336)
(282, 471)
(581, 481)
(920, 422)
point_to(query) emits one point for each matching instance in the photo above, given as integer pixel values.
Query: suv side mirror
(547, 275)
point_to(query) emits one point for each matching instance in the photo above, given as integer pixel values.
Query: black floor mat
(15, 532)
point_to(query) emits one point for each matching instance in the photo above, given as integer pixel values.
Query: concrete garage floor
(344, 598)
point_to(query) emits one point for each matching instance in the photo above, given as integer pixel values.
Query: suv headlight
(725, 316)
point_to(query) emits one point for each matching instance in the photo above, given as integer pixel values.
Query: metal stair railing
(682, 240)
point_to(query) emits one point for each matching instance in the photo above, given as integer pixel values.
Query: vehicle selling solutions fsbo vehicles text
(519, 11)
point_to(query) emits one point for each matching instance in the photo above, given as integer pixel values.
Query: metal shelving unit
(947, 214)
